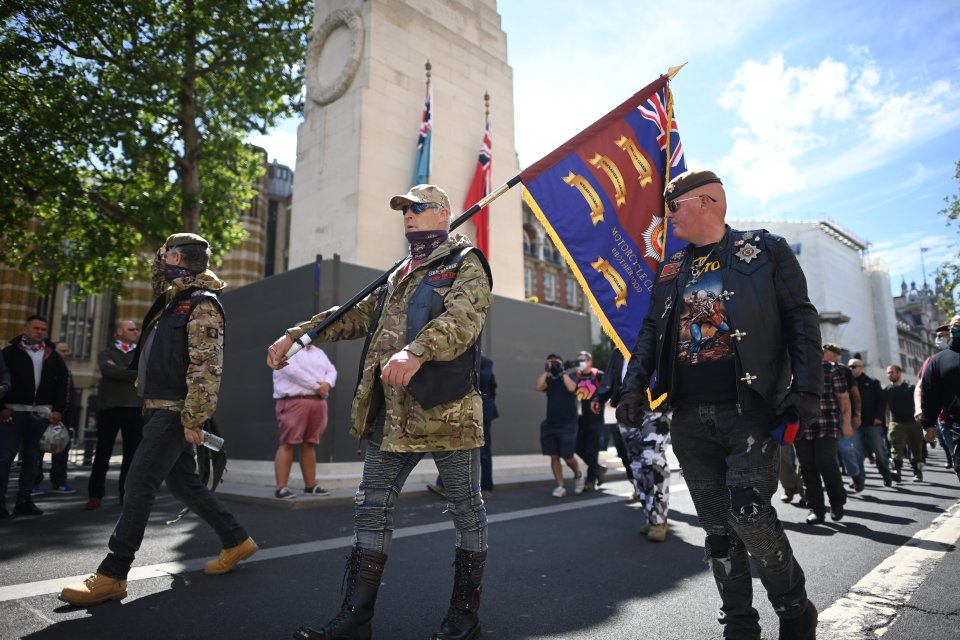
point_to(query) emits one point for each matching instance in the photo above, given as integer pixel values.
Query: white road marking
(871, 606)
(46, 587)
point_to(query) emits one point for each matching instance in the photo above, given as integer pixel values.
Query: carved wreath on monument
(324, 94)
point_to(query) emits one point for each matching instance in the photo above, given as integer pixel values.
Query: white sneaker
(559, 492)
(579, 483)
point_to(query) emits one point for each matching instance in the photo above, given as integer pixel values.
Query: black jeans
(128, 421)
(818, 459)
(588, 446)
(58, 468)
(22, 434)
(730, 464)
(486, 459)
(164, 454)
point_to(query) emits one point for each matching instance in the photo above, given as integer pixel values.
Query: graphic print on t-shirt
(704, 330)
(586, 386)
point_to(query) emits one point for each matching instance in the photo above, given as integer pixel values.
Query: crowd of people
(729, 360)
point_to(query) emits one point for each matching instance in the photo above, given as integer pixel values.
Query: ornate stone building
(917, 320)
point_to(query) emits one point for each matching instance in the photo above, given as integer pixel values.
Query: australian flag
(421, 166)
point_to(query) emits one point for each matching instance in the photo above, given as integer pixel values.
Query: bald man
(728, 322)
(120, 410)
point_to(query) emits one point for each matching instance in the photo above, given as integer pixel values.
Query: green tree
(948, 274)
(123, 121)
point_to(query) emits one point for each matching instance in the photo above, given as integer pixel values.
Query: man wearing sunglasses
(417, 394)
(728, 323)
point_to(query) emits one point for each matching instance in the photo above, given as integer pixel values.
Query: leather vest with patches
(436, 382)
(166, 376)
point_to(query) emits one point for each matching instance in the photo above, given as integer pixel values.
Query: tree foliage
(948, 274)
(123, 121)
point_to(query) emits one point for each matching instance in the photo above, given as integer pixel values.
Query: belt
(42, 409)
(311, 396)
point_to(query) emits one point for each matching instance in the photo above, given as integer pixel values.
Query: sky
(806, 109)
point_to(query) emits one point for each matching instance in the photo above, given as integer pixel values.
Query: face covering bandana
(941, 342)
(172, 271)
(29, 346)
(422, 243)
(955, 336)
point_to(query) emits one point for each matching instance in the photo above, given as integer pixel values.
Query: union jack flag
(421, 166)
(655, 110)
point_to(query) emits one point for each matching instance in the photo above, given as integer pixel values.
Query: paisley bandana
(422, 243)
(29, 346)
(171, 272)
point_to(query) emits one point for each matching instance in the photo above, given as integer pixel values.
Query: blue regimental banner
(600, 198)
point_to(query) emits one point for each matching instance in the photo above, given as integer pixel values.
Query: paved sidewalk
(252, 481)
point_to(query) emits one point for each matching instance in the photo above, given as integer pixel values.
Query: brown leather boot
(462, 621)
(362, 581)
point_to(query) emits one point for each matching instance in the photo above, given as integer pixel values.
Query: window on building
(573, 293)
(273, 207)
(76, 321)
(529, 288)
(549, 287)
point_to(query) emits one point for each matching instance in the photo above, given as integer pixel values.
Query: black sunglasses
(673, 205)
(420, 207)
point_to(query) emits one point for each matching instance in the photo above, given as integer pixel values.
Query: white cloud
(805, 128)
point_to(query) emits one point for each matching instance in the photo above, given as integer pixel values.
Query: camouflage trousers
(647, 450)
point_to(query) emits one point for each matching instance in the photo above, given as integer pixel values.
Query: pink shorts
(301, 419)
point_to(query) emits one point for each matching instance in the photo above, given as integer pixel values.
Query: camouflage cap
(688, 181)
(422, 193)
(181, 239)
(834, 347)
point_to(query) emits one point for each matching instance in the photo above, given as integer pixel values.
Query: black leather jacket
(775, 326)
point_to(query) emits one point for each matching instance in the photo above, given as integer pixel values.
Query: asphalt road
(570, 568)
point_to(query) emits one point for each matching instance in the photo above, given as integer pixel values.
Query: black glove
(806, 405)
(630, 409)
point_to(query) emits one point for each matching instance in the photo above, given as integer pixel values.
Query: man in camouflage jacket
(179, 361)
(417, 393)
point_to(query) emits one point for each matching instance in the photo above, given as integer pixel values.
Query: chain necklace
(695, 275)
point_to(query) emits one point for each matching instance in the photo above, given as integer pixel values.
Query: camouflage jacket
(409, 427)
(204, 347)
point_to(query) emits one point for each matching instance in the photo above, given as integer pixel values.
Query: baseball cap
(421, 194)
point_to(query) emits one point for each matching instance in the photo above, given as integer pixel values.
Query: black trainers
(836, 513)
(315, 490)
(26, 509)
(814, 518)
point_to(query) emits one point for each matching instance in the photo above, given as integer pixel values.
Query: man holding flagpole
(418, 393)
(729, 322)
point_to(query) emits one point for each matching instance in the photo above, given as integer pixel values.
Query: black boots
(803, 627)
(462, 621)
(354, 622)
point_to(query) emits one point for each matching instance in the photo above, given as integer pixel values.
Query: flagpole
(311, 335)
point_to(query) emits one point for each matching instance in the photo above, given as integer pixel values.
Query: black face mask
(955, 338)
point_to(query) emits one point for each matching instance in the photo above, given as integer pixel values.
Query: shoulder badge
(748, 252)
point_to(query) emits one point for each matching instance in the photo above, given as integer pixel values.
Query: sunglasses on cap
(420, 207)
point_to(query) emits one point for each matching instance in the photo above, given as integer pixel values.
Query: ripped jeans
(730, 465)
(384, 474)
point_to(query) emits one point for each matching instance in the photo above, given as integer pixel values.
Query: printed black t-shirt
(705, 361)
